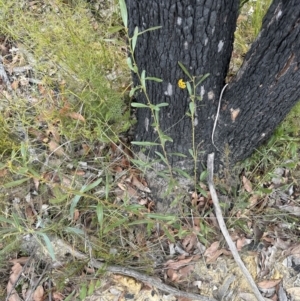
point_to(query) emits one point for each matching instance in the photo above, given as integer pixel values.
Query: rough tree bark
(200, 33)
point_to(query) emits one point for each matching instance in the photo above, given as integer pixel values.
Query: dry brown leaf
(66, 181)
(139, 185)
(128, 191)
(38, 294)
(57, 296)
(253, 200)
(56, 148)
(241, 242)
(266, 284)
(212, 249)
(85, 149)
(189, 242)
(172, 274)
(53, 130)
(15, 85)
(76, 116)
(21, 260)
(247, 184)
(14, 276)
(172, 264)
(122, 186)
(3, 172)
(79, 172)
(29, 213)
(36, 182)
(76, 215)
(185, 271)
(214, 256)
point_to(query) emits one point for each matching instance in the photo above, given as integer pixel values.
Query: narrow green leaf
(159, 80)
(124, 14)
(150, 29)
(74, 230)
(203, 78)
(142, 164)
(129, 63)
(164, 174)
(75, 201)
(163, 104)
(71, 296)
(134, 38)
(107, 186)
(144, 143)
(182, 173)
(16, 219)
(202, 191)
(185, 70)
(92, 185)
(168, 234)
(162, 217)
(100, 215)
(139, 105)
(34, 173)
(166, 138)
(5, 220)
(178, 155)
(91, 287)
(143, 79)
(161, 156)
(48, 244)
(191, 152)
(112, 225)
(154, 107)
(15, 183)
(132, 91)
(114, 29)
(58, 199)
(83, 291)
(189, 88)
(203, 175)
(192, 107)
(138, 222)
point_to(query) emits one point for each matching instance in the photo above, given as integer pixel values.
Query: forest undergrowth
(67, 170)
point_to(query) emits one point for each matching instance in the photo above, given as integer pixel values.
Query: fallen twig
(154, 281)
(218, 211)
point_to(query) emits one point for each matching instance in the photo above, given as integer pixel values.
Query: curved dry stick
(156, 282)
(153, 281)
(218, 211)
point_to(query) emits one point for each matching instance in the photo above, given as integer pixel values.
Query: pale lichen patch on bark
(211, 95)
(220, 45)
(234, 113)
(169, 91)
(146, 124)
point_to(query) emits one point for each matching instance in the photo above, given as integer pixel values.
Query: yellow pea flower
(181, 84)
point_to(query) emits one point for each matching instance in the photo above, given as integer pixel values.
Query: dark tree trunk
(268, 84)
(200, 35)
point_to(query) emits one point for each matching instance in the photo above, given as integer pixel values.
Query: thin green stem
(156, 120)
